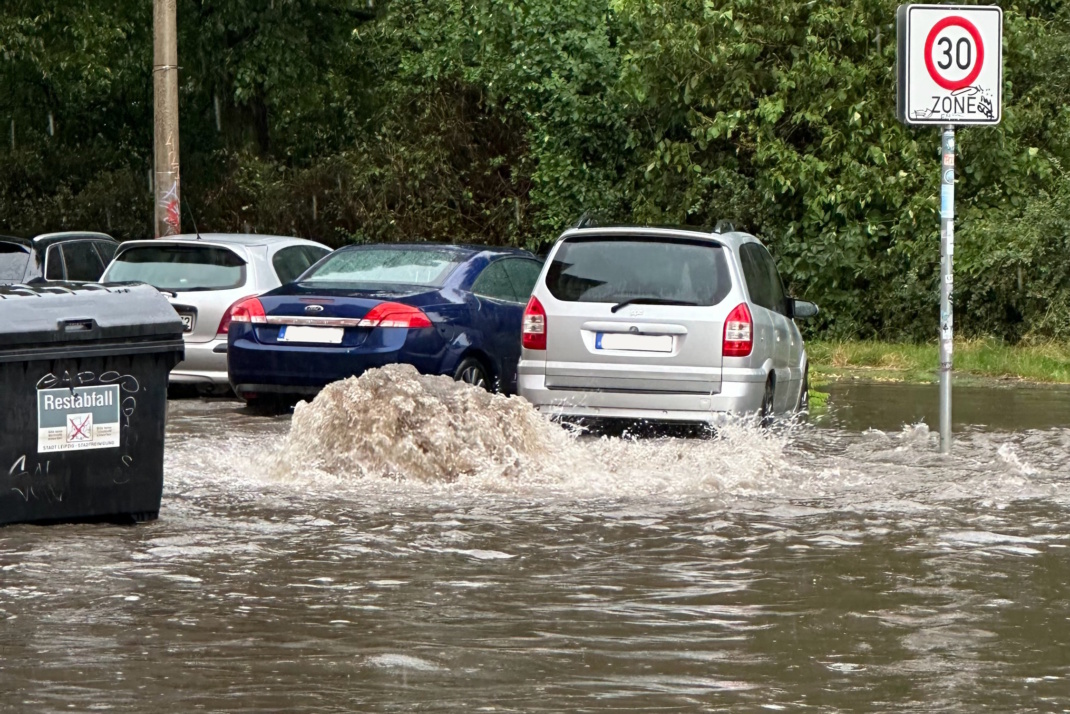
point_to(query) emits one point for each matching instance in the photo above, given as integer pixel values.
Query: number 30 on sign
(950, 64)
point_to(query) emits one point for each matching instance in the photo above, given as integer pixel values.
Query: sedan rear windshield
(13, 261)
(179, 268)
(385, 266)
(618, 269)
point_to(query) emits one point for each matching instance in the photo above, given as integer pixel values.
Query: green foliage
(500, 121)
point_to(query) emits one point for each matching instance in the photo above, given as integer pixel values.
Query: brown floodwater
(835, 565)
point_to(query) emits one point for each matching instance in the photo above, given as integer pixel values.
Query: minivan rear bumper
(741, 393)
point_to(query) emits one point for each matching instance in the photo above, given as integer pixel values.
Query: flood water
(825, 567)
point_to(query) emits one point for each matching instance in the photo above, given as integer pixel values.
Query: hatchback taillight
(228, 316)
(533, 336)
(248, 310)
(395, 314)
(738, 332)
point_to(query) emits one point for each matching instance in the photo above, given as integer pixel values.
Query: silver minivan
(662, 324)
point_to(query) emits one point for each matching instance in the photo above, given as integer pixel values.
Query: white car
(662, 324)
(204, 276)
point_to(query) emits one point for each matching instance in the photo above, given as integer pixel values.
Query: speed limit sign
(950, 64)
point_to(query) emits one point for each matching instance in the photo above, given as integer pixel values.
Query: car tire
(471, 371)
(804, 394)
(768, 404)
(267, 405)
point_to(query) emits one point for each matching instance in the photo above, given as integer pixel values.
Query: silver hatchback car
(204, 276)
(662, 324)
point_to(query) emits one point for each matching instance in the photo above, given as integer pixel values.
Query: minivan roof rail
(724, 226)
(586, 221)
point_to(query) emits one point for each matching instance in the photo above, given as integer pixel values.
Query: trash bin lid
(52, 313)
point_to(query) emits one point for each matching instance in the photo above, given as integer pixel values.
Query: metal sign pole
(947, 281)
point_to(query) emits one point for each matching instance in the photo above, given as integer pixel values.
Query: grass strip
(1047, 362)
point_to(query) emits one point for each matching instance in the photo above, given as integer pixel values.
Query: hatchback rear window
(180, 268)
(387, 266)
(618, 269)
(13, 261)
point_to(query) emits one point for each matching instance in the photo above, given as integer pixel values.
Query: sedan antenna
(193, 220)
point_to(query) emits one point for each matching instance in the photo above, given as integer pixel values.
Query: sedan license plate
(312, 335)
(632, 342)
(187, 323)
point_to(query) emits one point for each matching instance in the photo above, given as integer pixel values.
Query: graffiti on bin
(127, 382)
(23, 469)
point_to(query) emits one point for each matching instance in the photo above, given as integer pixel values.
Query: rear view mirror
(803, 309)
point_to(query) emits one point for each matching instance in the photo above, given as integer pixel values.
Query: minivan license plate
(632, 342)
(187, 323)
(315, 335)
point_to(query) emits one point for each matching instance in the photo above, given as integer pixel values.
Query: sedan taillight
(228, 316)
(395, 314)
(249, 310)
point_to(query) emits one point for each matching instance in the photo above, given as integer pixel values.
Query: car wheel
(804, 394)
(471, 371)
(768, 402)
(264, 405)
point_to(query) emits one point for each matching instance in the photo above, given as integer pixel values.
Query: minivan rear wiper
(651, 301)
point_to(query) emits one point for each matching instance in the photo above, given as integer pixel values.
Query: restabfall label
(77, 419)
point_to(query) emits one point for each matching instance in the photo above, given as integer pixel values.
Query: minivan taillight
(533, 336)
(738, 332)
(228, 316)
(249, 310)
(395, 314)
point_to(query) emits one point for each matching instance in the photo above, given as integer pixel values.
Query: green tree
(501, 121)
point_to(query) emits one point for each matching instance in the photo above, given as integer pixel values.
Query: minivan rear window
(180, 268)
(620, 268)
(13, 261)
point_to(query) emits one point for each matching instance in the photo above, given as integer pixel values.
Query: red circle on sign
(954, 21)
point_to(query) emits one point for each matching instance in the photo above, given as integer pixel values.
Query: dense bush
(500, 121)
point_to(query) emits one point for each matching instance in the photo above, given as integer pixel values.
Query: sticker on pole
(77, 419)
(950, 64)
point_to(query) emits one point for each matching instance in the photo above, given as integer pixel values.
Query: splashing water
(393, 423)
(1010, 456)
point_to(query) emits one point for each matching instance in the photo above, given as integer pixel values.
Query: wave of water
(393, 432)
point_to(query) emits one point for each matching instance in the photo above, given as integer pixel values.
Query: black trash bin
(83, 401)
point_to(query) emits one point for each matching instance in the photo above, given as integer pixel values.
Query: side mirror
(803, 310)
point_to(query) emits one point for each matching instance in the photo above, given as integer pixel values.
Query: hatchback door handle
(77, 325)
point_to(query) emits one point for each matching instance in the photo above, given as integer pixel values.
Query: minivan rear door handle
(636, 328)
(87, 325)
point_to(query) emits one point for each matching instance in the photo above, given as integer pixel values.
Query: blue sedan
(447, 310)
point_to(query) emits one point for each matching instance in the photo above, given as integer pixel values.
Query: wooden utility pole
(165, 117)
